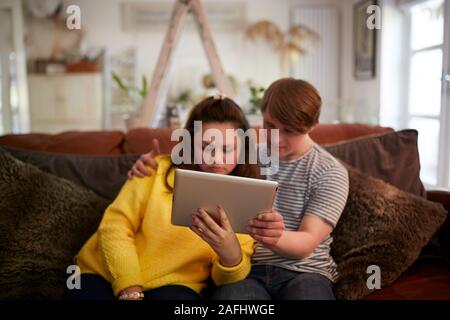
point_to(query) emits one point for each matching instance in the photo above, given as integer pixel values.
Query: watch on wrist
(131, 295)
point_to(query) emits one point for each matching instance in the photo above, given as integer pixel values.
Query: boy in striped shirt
(312, 192)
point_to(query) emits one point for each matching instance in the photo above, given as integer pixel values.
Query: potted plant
(256, 96)
(183, 103)
(135, 94)
(209, 84)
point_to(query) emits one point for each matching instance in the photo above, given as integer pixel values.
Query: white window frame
(20, 60)
(443, 165)
(444, 145)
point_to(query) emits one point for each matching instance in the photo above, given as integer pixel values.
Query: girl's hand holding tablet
(219, 235)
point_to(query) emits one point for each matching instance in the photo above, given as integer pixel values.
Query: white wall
(240, 58)
(393, 74)
(321, 63)
(360, 98)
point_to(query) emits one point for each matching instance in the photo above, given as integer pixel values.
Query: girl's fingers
(202, 235)
(224, 221)
(208, 221)
(203, 227)
(199, 233)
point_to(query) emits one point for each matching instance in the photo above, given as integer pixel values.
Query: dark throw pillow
(383, 226)
(105, 175)
(44, 221)
(392, 157)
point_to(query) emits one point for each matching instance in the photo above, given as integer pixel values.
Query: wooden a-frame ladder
(157, 95)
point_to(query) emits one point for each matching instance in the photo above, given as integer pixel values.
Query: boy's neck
(304, 146)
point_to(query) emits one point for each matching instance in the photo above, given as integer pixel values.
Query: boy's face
(290, 144)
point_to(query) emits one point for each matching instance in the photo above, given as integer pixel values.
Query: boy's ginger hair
(294, 103)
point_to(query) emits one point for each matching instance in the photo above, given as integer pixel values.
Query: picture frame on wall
(364, 42)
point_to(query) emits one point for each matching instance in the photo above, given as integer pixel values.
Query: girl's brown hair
(221, 110)
(294, 103)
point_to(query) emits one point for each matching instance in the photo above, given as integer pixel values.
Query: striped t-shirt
(315, 184)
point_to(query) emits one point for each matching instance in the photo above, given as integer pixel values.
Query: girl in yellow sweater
(137, 252)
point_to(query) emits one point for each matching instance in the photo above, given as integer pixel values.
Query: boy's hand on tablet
(267, 227)
(219, 235)
(139, 169)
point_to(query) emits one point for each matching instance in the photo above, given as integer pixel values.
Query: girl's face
(214, 152)
(290, 144)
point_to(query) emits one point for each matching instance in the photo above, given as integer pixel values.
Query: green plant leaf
(256, 95)
(144, 89)
(120, 82)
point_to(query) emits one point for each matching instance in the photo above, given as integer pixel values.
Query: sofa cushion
(72, 142)
(105, 175)
(383, 226)
(392, 157)
(44, 221)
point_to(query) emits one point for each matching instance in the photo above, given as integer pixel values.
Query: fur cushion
(44, 221)
(383, 226)
(105, 175)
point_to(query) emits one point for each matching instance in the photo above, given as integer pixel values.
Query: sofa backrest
(139, 140)
(69, 142)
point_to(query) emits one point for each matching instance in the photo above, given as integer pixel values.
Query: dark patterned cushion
(104, 175)
(44, 221)
(383, 226)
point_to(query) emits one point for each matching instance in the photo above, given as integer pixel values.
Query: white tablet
(242, 198)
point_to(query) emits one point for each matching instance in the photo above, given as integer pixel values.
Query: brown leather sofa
(426, 279)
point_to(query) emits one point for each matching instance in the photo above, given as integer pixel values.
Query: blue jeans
(267, 282)
(94, 287)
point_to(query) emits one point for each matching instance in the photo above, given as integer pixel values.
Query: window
(13, 79)
(425, 83)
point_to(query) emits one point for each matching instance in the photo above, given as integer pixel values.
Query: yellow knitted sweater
(136, 244)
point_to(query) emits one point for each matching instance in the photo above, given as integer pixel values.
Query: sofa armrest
(442, 196)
